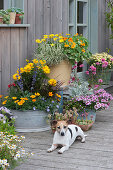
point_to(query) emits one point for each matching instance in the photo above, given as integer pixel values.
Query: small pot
(85, 127)
(12, 17)
(1, 20)
(17, 19)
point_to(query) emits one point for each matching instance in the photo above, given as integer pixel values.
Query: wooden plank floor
(95, 154)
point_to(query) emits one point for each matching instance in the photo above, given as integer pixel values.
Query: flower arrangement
(32, 89)
(99, 100)
(7, 120)
(99, 65)
(55, 47)
(11, 151)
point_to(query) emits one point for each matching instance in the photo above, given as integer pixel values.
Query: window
(1, 4)
(14, 3)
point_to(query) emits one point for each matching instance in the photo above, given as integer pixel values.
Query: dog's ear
(68, 121)
(54, 122)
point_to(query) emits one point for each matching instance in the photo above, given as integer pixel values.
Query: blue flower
(48, 110)
(57, 106)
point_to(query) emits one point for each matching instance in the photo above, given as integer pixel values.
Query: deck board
(95, 154)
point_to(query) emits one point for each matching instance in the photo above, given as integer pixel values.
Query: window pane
(80, 30)
(1, 4)
(16, 3)
(80, 12)
(71, 10)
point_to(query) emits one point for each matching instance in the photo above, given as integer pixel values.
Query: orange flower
(83, 50)
(1, 96)
(64, 38)
(70, 40)
(34, 100)
(66, 45)
(32, 96)
(37, 94)
(4, 102)
(76, 34)
(50, 94)
(73, 46)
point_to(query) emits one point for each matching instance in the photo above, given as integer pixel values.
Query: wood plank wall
(45, 17)
(13, 53)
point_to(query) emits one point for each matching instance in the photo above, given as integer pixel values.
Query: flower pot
(18, 20)
(105, 76)
(1, 20)
(85, 127)
(12, 17)
(61, 72)
(31, 121)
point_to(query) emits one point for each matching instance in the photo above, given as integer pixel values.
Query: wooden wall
(13, 52)
(45, 17)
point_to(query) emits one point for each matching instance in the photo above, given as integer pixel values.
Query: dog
(65, 135)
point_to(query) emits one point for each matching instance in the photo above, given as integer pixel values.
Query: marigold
(46, 69)
(16, 77)
(38, 41)
(83, 50)
(66, 45)
(4, 102)
(58, 95)
(6, 97)
(14, 98)
(34, 100)
(16, 101)
(52, 82)
(50, 94)
(35, 61)
(37, 94)
(32, 96)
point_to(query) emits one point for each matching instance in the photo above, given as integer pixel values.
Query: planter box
(31, 121)
(91, 113)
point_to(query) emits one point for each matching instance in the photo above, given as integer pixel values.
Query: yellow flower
(43, 40)
(1, 96)
(58, 95)
(61, 40)
(16, 101)
(16, 77)
(52, 45)
(52, 82)
(37, 94)
(35, 61)
(45, 36)
(32, 96)
(42, 62)
(4, 102)
(27, 61)
(67, 34)
(51, 35)
(73, 46)
(46, 69)
(21, 102)
(38, 41)
(50, 94)
(20, 70)
(6, 97)
(76, 34)
(34, 100)
(24, 98)
(61, 37)
(54, 39)
(27, 68)
(14, 98)
(56, 35)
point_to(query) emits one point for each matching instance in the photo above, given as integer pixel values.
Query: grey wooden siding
(45, 17)
(13, 52)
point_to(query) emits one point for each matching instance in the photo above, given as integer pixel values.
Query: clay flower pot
(18, 20)
(1, 20)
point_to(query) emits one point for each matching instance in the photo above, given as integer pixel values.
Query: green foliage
(5, 15)
(109, 16)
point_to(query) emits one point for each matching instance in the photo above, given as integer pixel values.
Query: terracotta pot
(1, 20)
(85, 127)
(17, 19)
(12, 17)
(61, 72)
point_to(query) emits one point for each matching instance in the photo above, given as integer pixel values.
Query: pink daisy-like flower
(100, 81)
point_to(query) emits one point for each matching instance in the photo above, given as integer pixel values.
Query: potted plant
(1, 18)
(5, 18)
(100, 67)
(32, 95)
(19, 16)
(12, 14)
(61, 51)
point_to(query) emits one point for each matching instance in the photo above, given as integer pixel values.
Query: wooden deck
(95, 154)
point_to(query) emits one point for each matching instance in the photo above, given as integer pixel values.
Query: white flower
(23, 137)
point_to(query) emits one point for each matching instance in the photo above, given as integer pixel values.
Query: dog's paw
(83, 140)
(49, 150)
(60, 151)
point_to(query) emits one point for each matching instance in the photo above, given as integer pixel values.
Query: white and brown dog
(65, 135)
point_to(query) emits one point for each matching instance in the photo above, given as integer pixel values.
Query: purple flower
(48, 110)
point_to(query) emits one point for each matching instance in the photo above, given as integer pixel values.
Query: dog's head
(61, 127)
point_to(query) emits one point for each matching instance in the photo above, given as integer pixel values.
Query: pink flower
(94, 73)
(74, 67)
(105, 64)
(96, 86)
(92, 68)
(111, 59)
(103, 59)
(82, 65)
(73, 78)
(87, 72)
(97, 63)
(100, 81)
